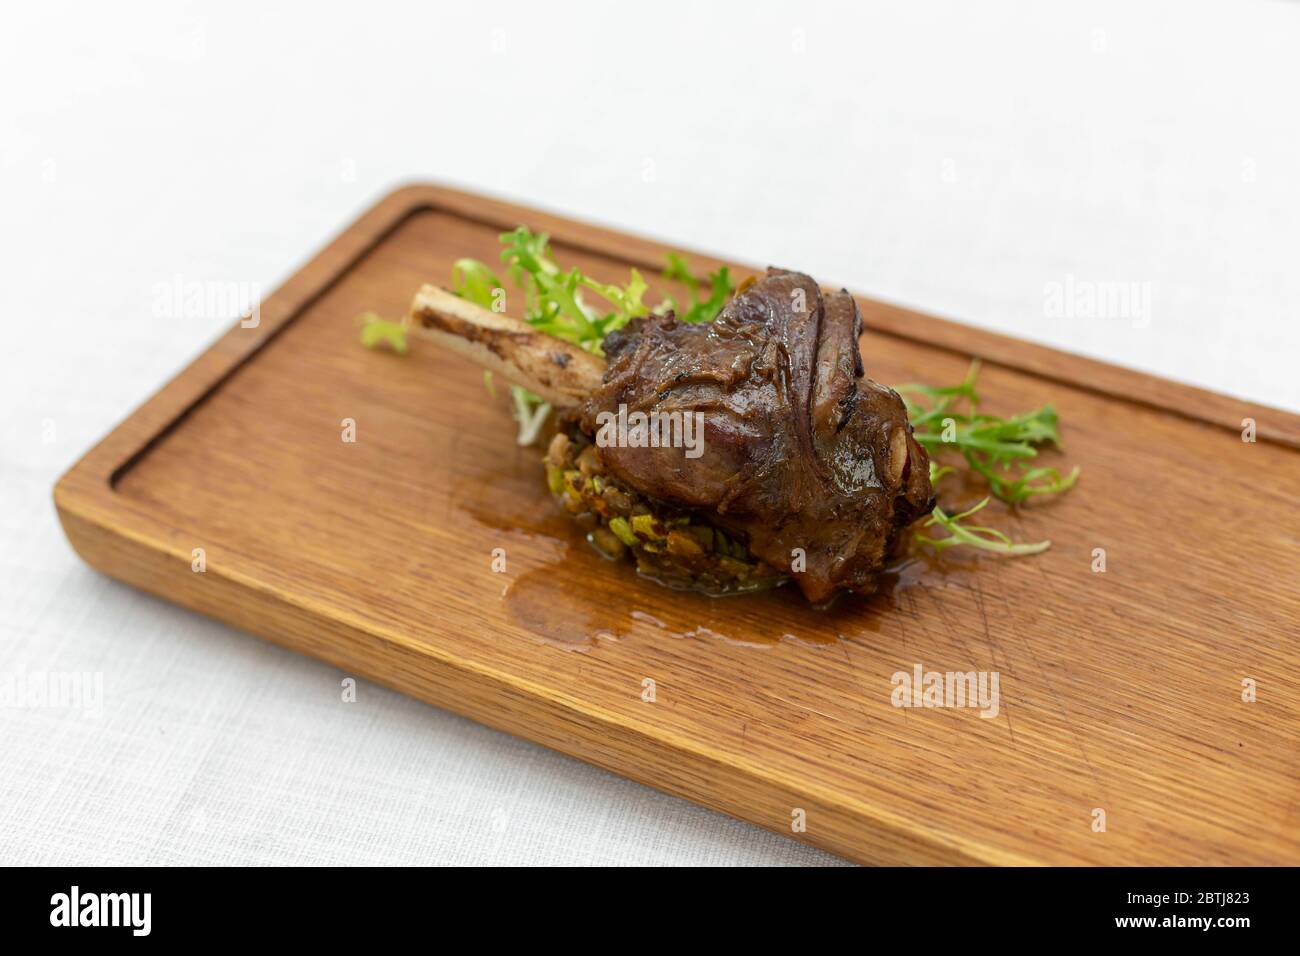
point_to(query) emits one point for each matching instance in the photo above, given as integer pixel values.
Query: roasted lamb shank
(802, 466)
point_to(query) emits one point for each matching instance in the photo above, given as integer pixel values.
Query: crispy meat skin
(800, 450)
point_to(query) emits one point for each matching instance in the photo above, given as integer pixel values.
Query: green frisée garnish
(556, 300)
(376, 330)
(975, 536)
(559, 302)
(698, 309)
(474, 281)
(997, 449)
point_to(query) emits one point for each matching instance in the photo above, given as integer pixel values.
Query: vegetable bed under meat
(670, 546)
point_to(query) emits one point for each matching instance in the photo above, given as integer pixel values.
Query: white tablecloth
(960, 158)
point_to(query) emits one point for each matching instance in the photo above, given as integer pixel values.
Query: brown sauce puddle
(557, 603)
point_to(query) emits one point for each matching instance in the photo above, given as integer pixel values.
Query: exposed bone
(559, 372)
(897, 458)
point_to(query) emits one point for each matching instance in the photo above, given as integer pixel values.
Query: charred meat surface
(805, 460)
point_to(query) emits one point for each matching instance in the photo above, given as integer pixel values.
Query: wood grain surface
(1120, 691)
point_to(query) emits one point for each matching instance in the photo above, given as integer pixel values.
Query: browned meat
(801, 454)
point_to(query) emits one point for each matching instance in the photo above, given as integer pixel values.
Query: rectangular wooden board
(1123, 694)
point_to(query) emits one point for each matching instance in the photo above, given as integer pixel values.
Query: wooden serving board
(1119, 691)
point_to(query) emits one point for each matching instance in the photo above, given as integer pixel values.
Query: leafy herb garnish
(698, 310)
(975, 536)
(990, 445)
(376, 329)
(998, 449)
(556, 302)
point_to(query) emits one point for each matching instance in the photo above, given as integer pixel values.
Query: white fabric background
(954, 157)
